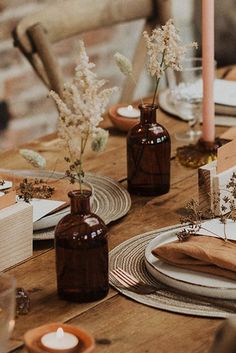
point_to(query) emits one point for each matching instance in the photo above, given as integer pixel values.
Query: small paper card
(6, 185)
(214, 228)
(42, 207)
(226, 157)
(225, 92)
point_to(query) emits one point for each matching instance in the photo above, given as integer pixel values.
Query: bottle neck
(79, 203)
(148, 113)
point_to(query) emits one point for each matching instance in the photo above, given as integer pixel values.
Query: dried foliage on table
(195, 217)
(36, 188)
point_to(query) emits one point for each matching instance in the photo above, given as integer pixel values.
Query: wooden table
(117, 323)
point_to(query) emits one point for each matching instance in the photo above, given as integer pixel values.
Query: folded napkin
(201, 253)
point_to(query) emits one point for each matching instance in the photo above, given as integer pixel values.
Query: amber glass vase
(148, 155)
(81, 252)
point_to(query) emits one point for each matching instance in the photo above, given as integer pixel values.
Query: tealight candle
(128, 112)
(75, 337)
(59, 341)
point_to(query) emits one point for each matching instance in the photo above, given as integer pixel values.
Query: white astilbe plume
(99, 140)
(34, 158)
(81, 106)
(165, 49)
(123, 64)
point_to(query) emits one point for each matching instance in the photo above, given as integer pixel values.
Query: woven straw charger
(110, 200)
(129, 256)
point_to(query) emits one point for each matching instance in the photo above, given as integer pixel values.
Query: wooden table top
(117, 323)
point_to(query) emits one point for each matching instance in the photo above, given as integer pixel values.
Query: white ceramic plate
(168, 107)
(186, 280)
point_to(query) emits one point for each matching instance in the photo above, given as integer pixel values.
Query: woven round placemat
(129, 255)
(111, 201)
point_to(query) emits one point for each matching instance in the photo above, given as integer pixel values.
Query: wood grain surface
(117, 323)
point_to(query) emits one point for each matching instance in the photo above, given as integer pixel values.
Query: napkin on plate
(201, 253)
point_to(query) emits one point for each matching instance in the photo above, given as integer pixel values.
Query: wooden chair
(35, 34)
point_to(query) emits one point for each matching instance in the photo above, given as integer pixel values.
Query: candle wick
(60, 333)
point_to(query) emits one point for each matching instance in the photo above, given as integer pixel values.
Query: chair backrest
(35, 34)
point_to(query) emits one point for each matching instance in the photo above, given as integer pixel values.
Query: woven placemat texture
(129, 255)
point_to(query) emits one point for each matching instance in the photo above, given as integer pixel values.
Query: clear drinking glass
(186, 96)
(7, 309)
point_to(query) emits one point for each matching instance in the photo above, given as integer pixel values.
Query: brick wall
(33, 114)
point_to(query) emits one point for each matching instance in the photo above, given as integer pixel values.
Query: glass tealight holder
(7, 309)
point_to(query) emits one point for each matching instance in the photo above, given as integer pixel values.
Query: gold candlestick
(199, 154)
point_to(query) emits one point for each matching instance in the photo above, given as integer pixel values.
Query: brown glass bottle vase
(148, 155)
(81, 252)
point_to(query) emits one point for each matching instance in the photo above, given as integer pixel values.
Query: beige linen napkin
(201, 253)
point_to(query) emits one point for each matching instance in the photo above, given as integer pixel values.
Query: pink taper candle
(208, 108)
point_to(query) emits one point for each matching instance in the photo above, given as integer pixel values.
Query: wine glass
(7, 309)
(185, 94)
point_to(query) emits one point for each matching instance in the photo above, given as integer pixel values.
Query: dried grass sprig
(37, 188)
(165, 49)
(194, 216)
(81, 107)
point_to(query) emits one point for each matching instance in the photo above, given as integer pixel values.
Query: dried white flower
(123, 64)
(80, 108)
(165, 49)
(34, 158)
(99, 140)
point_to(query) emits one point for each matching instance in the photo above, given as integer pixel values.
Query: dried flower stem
(158, 80)
(81, 106)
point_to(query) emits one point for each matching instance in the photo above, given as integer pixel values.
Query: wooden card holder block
(8, 199)
(212, 188)
(16, 234)
(219, 183)
(205, 187)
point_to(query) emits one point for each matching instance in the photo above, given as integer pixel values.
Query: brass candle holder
(32, 339)
(199, 154)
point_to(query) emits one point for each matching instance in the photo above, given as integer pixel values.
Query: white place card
(6, 185)
(42, 207)
(225, 92)
(215, 228)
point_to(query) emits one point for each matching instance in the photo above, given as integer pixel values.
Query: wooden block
(219, 182)
(229, 134)
(226, 156)
(8, 199)
(205, 175)
(16, 234)
(212, 188)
